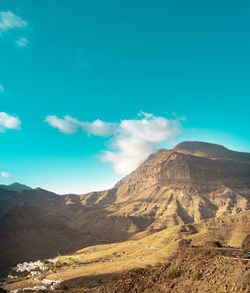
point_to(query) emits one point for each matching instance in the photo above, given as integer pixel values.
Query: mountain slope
(206, 240)
(15, 187)
(171, 188)
(174, 188)
(33, 225)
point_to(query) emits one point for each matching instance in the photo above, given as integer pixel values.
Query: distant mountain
(194, 181)
(15, 186)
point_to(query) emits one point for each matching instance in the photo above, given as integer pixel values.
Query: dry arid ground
(181, 258)
(194, 270)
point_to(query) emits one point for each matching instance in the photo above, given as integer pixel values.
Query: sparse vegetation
(45, 261)
(63, 287)
(59, 265)
(192, 263)
(208, 254)
(243, 291)
(173, 273)
(196, 275)
(22, 276)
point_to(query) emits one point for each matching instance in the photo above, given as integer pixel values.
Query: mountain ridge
(15, 186)
(170, 189)
(211, 150)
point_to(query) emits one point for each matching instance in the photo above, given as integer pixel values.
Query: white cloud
(71, 125)
(22, 42)
(96, 127)
(5, 174)
(8, 122)
(137, 139)
(63, 125)
(8, 20)
(132, 141)
(1, 89)
(99, 127)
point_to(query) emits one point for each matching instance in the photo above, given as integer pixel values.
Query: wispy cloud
(131, 141)
(63, 125)
(9, 20)
(1, 89)
(70, 125)
(96, 127)
(8, 122)
(5, 174)
(22, 42)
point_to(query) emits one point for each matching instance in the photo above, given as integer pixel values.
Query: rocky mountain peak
(211, 150)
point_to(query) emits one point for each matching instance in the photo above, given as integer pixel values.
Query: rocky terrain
(189, 184)
(194, 270)
(208, 256)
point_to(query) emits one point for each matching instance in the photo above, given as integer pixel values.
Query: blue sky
(112, 60)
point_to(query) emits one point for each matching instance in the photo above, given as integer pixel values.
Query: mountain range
(189, 184)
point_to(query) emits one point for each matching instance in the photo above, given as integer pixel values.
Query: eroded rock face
(174, 188)
(171, 168)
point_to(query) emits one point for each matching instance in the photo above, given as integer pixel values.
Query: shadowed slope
(15, 186)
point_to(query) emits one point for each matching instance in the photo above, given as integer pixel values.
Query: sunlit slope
(156, 248)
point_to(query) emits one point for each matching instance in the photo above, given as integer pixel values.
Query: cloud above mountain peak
(131, 140)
